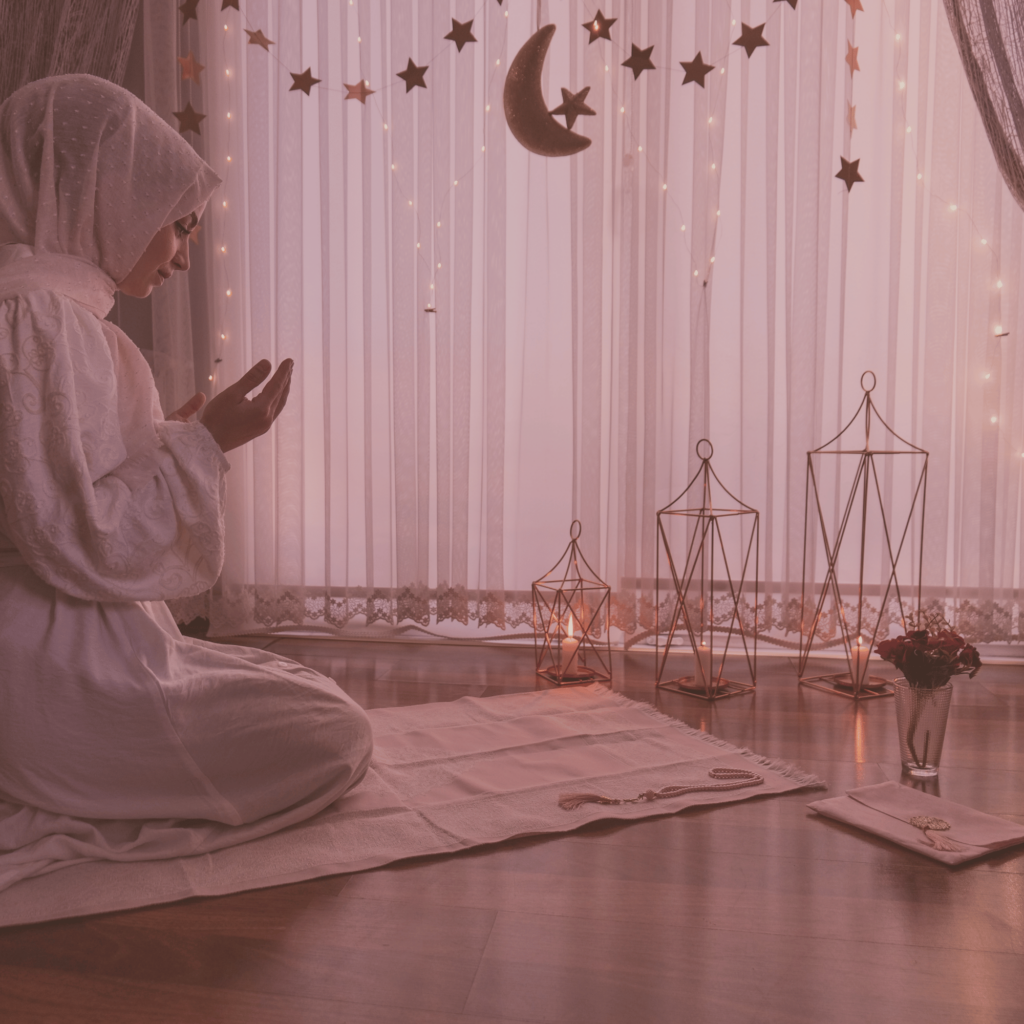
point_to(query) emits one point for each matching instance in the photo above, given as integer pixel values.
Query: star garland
(303, 81)
(639, 61)
(849, 172)
(414, 76)
(696, 70)
(191, 69)
(461, 34)
(572, 106)
(600, 27)
(751, 38)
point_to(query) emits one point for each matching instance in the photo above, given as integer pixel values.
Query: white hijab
(88, 175)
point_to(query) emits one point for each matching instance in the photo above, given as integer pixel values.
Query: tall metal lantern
(571, 620)
(722, 552)
(823, 614)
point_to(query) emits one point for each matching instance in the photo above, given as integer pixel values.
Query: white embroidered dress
(119, 738)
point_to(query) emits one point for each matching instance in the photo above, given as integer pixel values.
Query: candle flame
(569, 634)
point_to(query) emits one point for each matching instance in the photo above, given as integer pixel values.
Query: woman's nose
(181, 260)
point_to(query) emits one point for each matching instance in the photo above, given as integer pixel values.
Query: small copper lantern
(571, 607)
(707, 588)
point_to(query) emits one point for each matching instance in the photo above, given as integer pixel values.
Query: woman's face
(167, 252)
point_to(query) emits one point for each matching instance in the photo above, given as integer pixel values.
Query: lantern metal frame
(857, 683)
(699, 569)
(571, 596)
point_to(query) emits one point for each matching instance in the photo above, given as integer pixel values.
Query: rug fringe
(788, 770)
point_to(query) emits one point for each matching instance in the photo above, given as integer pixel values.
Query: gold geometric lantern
(571, 609)
(873, 481)
(722, 552)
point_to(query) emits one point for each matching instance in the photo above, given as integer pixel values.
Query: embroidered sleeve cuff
(193, 444)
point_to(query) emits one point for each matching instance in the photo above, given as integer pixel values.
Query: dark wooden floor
(756, 912)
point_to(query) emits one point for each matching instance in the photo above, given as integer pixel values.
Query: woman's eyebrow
(193, 221)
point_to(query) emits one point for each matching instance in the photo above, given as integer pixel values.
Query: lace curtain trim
(777, 620)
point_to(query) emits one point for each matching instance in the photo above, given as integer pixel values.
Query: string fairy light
(900, 83)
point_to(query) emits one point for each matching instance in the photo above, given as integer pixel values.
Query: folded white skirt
(120, 739)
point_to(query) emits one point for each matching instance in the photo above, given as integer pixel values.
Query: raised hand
(193, 405)
(233, 419)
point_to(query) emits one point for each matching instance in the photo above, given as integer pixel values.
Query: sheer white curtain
(697, 272)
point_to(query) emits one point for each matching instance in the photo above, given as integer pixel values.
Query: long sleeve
(103, 499)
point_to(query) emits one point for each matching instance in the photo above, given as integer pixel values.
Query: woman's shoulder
(27, 274)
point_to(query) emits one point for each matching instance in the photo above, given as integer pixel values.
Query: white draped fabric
(697, 272)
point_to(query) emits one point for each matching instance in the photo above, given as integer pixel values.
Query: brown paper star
(303, 81)
(188, 11)
(599, 27)
(193, 235)
(792, 3)
(751, 38)
(229, 3)
(191, 69)
(257, 38)
(851, 57)
(188, 119)
(855, 6)
(639, 60)
(848, 172)
(696, 70)
(572, 106)
(358, 92)
(413, 75)
(461, 33)
(852, 116)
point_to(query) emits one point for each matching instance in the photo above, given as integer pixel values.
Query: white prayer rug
(447, 777)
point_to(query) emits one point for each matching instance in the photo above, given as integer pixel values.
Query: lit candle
(704, 664)
(857, 678)
(570, 645)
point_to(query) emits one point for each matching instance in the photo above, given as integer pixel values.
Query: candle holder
(571, 607)
(708, 599)
(859, 627)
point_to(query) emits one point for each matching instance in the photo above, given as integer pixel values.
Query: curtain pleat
(333, 333)
(445, 192)
(465, 260)
(939, 370)
(492, 569)
(174, 349)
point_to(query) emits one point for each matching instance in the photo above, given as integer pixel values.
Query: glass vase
(921, 715)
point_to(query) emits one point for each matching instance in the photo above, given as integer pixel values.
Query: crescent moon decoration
(525, 108)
